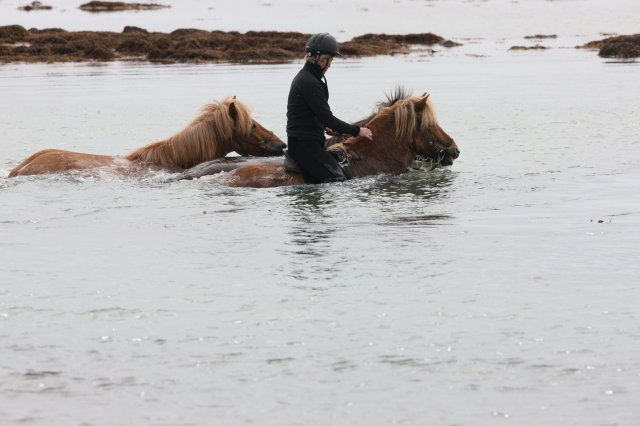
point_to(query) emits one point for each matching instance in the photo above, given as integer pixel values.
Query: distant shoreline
(17, 44)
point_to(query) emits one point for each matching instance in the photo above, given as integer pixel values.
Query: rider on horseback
(308, 114)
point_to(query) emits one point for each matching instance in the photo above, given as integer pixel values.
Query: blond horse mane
(207, 137)
(408, 122)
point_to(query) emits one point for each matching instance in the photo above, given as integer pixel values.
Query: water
(458, 19)
(502, 290)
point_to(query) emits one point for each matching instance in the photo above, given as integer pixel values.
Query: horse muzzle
(447, 155)
(272, 148)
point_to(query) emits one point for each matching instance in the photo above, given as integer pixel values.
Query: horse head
(406, 134)
(430, 141)
(250, 138)
(220, 128)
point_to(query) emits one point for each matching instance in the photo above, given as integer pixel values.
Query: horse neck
(382, 155)
(182, 150)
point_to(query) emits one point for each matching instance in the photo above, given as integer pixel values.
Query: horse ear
(421, 104)
(233, 111)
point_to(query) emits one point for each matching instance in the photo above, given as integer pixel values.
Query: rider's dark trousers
(316, 164)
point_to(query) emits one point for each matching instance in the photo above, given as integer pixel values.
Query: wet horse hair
(202, 138)
(399, 94)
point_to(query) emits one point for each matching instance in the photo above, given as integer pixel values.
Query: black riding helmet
(323, 44)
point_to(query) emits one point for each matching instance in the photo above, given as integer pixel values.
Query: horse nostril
(454, 152)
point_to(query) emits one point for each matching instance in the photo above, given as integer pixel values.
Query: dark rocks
(623, 47)
(623, 50)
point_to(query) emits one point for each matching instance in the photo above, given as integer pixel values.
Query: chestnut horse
(220, 128)
(405, 132)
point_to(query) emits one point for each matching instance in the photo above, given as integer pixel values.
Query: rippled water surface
(502, 290)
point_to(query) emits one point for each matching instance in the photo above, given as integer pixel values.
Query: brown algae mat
(536, 47)
(18, 44)
(35, 5)
(622, 47)
(115, 6)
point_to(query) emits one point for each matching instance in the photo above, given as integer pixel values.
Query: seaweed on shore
(389, 44)
(623, 47)
(115, 6)
(35, 5)
(535, 47)
(540, 36)
(184, 45)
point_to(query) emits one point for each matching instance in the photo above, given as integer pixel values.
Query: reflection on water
(426, 185)
(430, 220)
(308, 198)
(311, 230)
(364, 227)
(402, 199)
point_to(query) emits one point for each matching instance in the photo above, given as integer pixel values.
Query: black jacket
(308, 111)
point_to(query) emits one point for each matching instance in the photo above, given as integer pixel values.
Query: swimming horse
(405, 130)
(220, 128)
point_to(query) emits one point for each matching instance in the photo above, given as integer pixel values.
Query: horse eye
(253, 127)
